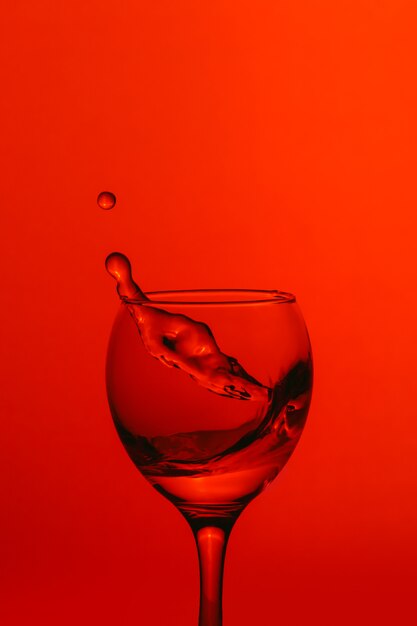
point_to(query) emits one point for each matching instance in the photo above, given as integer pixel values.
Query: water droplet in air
(106, 200)
(118, 266)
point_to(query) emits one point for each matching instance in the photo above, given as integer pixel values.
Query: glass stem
(211, 544)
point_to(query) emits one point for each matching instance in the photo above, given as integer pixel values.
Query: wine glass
(209, 392)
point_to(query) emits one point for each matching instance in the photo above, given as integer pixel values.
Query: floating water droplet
(106, 200)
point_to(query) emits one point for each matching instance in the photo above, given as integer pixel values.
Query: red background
(252, 144)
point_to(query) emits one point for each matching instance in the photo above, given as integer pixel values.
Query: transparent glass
(209, 392)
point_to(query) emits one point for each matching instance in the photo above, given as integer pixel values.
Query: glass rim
(235, 297)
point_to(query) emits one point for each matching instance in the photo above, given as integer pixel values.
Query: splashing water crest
(118, 266)
(181, 342)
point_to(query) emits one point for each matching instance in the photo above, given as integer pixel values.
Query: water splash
(181, 342)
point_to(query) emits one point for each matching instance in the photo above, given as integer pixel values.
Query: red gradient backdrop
(253, 144)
